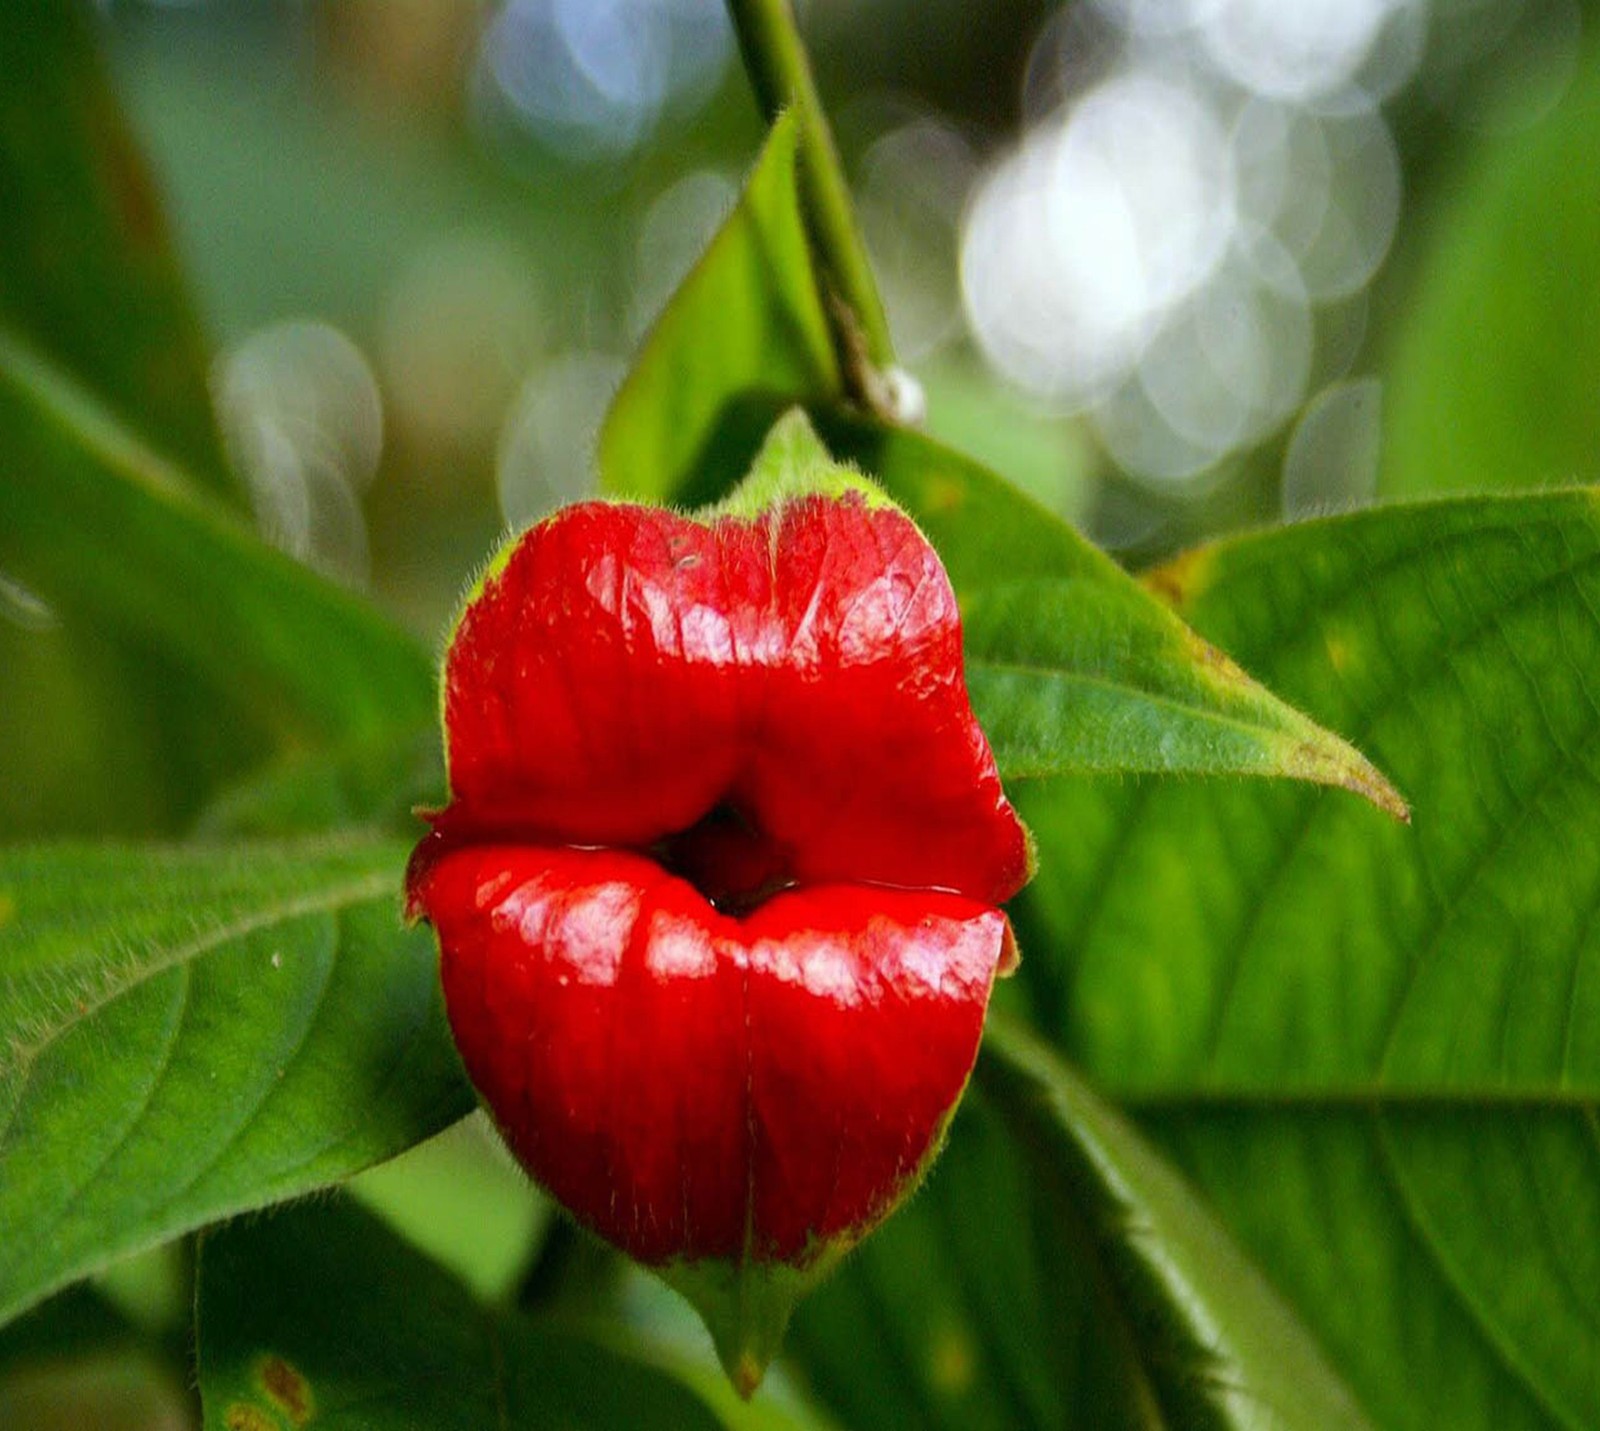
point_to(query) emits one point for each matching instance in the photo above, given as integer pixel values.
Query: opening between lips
(728, 857)
(725, 854)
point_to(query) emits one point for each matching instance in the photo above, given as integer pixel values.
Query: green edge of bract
(746, 1307)
(793, 464)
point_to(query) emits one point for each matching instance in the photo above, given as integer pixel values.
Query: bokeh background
(1176, 266)
(1165, 262)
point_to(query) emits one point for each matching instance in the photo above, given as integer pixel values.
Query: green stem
(780, 73)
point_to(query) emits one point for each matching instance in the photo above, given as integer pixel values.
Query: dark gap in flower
(728, 858)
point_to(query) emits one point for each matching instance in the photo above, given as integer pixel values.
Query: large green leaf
(1377, 1047)
(1492, 379)
(744, 337)
(87, 273)
(189, 1032)
(1216, 1346)
(318, 1315)
(111, 533)
(1055, 1272)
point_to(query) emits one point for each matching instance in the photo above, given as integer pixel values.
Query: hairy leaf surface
(191, 1032)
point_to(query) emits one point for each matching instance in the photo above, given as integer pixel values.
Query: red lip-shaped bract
(716, 889)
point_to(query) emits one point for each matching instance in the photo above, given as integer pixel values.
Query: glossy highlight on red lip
(716, 891)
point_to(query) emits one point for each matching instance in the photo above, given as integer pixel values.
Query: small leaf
(747, 322)
(317, 1315)
(191, 1032)
(1075, 678)
(107, 531)
(1374, 1047)
(87, 272)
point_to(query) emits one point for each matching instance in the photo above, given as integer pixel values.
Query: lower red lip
(699, 1086)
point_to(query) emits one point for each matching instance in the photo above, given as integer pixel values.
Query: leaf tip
(1347, 768)
(793, 464)
(746, 1307)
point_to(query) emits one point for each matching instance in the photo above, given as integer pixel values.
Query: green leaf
(190, 1032)
(1054, 1271)
(317, 1314)
(110, 533)
(108, 729)
(746, 324)
(1496, 359)
(87, 272)
(1073, 678)
(376, 785)
(99, 734)
(1218, 1347)
(1376, 1047)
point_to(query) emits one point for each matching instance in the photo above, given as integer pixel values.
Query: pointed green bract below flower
(746, 1307)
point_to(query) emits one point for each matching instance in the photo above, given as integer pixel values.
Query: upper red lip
(820, 699)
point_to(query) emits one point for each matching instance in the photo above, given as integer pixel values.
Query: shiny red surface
(663, 1069)
(757, 1056)
(629, 669)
